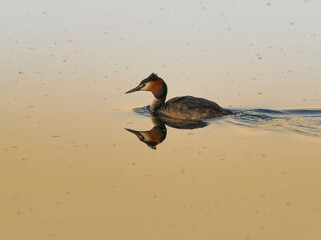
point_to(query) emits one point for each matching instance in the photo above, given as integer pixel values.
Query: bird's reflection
(158, 133)
(154, 136)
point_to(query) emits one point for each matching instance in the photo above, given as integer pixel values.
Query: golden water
(70, 170)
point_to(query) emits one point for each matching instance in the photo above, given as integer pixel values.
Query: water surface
(69, 169)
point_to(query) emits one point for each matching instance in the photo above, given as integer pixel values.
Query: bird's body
(186, 107)
(189, 107)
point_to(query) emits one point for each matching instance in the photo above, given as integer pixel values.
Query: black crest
(151, 77)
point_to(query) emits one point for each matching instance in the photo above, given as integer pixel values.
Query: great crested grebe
(186, 107)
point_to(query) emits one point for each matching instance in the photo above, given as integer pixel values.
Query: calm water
(77, 162)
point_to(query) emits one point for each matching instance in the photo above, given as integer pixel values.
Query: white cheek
(146, 136)
(146, 87)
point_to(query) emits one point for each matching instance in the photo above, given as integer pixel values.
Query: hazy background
(239, 53)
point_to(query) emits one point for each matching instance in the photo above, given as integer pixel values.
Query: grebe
(186, 107)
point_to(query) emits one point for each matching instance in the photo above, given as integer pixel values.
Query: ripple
(299, 121)
(302, 121)
(143, 111)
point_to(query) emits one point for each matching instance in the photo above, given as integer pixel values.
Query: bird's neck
(159, 99)
(156, 104)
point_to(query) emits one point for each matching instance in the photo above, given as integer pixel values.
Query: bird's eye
(142, 85)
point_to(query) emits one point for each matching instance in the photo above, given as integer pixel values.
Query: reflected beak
(134, 90)
(136, 133)
(132, 131)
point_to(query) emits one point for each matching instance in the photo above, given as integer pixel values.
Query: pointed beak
(134, 90)
(141, 138)
(132, 131)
